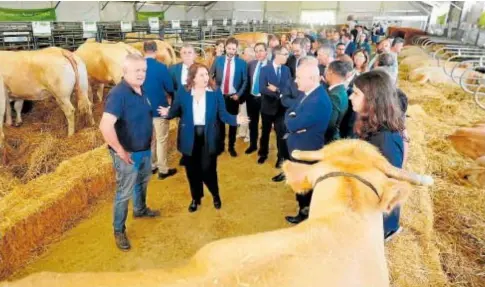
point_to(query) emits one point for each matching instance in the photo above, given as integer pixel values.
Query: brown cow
(340, 245)
(50, 72)
(104, 62)
(470, 142)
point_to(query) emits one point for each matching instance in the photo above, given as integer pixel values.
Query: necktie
(278, 73)
(227, 77)
(256, 79)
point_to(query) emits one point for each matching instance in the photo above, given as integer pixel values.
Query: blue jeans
(131, 180)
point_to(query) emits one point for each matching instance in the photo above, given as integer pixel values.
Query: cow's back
(28, 73)
(92, 56)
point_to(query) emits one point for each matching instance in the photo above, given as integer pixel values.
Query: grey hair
(310, 62)
(130, 58)
(327, 50)
(187, 46)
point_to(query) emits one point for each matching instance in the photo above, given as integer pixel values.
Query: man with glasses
(274, 83)
(340, 49)
(253, 98)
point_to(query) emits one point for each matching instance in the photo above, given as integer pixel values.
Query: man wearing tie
(274, 83)
(307, 122)
(272, 43)
(253, 99)
(230, 74)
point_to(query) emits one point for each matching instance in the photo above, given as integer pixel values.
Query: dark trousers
(279, 125)
(201, 167)
(391, 221)
(232, 107)
(253, 105)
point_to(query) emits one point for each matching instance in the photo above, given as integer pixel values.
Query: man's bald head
(307, 74)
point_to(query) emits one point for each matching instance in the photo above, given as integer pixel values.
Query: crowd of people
(312, 89)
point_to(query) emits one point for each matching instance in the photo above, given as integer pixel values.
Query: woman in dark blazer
(199, 107)
(380, 121)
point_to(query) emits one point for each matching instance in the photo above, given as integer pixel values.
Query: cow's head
(357, 158)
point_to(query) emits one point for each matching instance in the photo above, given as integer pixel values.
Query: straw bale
(35, 213)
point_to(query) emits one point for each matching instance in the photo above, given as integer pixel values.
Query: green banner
(143, 16)
(481, 20)
(442, 19)
(48, 14)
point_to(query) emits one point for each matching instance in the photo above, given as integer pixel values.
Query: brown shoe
(122, 241)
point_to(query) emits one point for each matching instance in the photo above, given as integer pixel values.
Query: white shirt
(198, 109)
(256, 81)
(334, 86)
(276, 68)
(185, 73)
(232, 90)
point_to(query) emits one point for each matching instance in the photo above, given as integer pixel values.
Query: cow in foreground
(340, 245)
(37, 75)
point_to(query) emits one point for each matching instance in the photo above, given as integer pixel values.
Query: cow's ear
(394, 193)
(297, 176)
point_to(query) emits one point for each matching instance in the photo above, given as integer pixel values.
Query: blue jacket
(240, 74)
(176, 76)
(157, 84)
(308, 120)
(271, 101)
(351, 47)
(215, 109)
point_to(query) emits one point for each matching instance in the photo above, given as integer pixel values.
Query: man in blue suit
(274, 84)
(179, 71)
(230, 74)
(350, 46)
(307, 122)
(253, 96)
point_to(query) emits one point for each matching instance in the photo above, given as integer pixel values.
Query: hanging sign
(195, 23)
(41, 28)
(234, 21)
(245, 21)
(175, 24)
(224, 22)
(209, 22)
(154, 23)
(125, 26)
(90, 27)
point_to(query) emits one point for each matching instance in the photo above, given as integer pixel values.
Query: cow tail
(82, 105)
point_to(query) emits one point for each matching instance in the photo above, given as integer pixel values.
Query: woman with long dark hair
(380, 121)
(199, 107)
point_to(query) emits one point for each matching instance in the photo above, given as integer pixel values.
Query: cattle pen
(56, 191)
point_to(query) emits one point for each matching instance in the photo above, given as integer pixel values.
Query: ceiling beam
(141, 6)
(57, 5)
(103, 5)
(169, 5)
(209, 6)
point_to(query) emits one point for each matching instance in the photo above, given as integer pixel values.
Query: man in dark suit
(179, 72)
(325, 56)
(274, 83)
(253, 96)
(350, 46)
(298, 49)
(335, 75)
(307, 122)
(230, 74)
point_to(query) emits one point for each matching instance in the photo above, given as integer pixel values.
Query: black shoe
(147, 213)
(154, 170)
(122, 241)
(279, 178)
(232, 152)
(182, 161)
(169, 173)
(279, 163)
(296, 219)
(193, 205)
(217, 202)
(262, 159)
(251, 149)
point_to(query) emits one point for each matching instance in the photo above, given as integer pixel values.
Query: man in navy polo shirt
(127, 128)
(158, 84)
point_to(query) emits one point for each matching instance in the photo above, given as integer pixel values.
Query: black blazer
(271, 101)
(291, 63)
